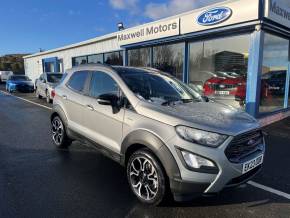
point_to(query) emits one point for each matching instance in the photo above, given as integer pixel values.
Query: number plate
(252, 164)
(222, 92)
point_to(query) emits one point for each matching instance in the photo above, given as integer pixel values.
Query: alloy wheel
(143, 178)
(57, 131)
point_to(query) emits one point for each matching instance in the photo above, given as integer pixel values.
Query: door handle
(64, 97)
(90, 107)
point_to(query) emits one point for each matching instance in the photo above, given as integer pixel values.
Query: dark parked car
(19, 83)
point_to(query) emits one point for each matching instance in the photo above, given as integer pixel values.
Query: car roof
(110, 67)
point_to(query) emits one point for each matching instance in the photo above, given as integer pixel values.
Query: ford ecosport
(168, 136)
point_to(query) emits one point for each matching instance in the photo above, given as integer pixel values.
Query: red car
(226, 87)
(230, 87)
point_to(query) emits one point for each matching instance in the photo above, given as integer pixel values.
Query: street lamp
(121, 26)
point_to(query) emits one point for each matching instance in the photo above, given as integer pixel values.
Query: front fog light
(195, 161)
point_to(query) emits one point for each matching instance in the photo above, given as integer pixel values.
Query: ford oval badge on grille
(251, 142)
(214, 16)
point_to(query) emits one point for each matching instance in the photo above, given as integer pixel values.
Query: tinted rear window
(78, 80)
(19, 78)
(54, 78)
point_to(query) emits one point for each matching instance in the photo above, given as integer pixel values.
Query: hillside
(13, 62)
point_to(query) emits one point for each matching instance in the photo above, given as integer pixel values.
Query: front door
(103, 126)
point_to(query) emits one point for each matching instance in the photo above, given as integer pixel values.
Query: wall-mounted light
(121, 26)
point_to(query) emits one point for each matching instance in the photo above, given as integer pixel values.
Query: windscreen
(19, 78)
(156, 87)
(54, 78)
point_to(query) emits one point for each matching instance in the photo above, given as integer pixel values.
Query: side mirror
(110, 99)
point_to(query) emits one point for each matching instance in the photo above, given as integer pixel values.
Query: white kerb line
(23, 99)
(269, 189)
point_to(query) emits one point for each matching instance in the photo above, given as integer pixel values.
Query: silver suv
(170, 139)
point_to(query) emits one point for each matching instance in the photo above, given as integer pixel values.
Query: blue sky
(27, 25)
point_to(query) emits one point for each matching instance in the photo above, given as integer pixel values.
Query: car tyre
(146, 177)
(37, 94)
(59, 135)
(48, 100)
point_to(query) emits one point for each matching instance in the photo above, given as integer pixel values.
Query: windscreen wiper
(177, 100)
(168, 102)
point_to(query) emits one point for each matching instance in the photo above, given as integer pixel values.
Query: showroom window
(79, 60)
(139, 57)
(95, 59)
(169, 58)
(218, 69)
(274, 73)
(114, 58)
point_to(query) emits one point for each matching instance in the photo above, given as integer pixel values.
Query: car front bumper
(194, 183)
(21, 88)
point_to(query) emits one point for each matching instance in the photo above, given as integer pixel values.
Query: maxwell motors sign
(149, 31)
(278, 11)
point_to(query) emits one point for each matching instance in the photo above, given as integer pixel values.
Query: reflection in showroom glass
(219, 69)
(274, 71)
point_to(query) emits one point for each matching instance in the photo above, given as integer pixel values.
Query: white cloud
(173, 7)
(73, 12)
(100, 29)
(124, 4)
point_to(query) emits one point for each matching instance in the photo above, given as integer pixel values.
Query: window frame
(73, 60)
(121, 93)
(85, 88)
(120, 55)
(286, 106)
(140, 48)
(91, 79)
(103, 55)
(91, 55)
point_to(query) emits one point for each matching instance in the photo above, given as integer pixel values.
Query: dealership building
(236, 52)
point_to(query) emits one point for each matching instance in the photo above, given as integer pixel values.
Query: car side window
(102, 83)
(78, 80)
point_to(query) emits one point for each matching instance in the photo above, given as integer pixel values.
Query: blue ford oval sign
(214, 16)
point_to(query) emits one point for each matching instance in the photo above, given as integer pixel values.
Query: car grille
(244, 145)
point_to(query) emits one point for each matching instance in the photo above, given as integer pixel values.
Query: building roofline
(87, 42)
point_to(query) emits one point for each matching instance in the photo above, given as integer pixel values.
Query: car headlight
(201, 137)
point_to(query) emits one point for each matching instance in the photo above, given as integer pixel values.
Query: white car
(4, 75)
(46, 84)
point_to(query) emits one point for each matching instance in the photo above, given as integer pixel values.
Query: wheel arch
(58, 111)
(144, 139)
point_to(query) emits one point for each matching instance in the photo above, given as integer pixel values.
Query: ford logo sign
(214, 16)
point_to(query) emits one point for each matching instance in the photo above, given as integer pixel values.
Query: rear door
(41, 84)
(103, 127)
(73, 100)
